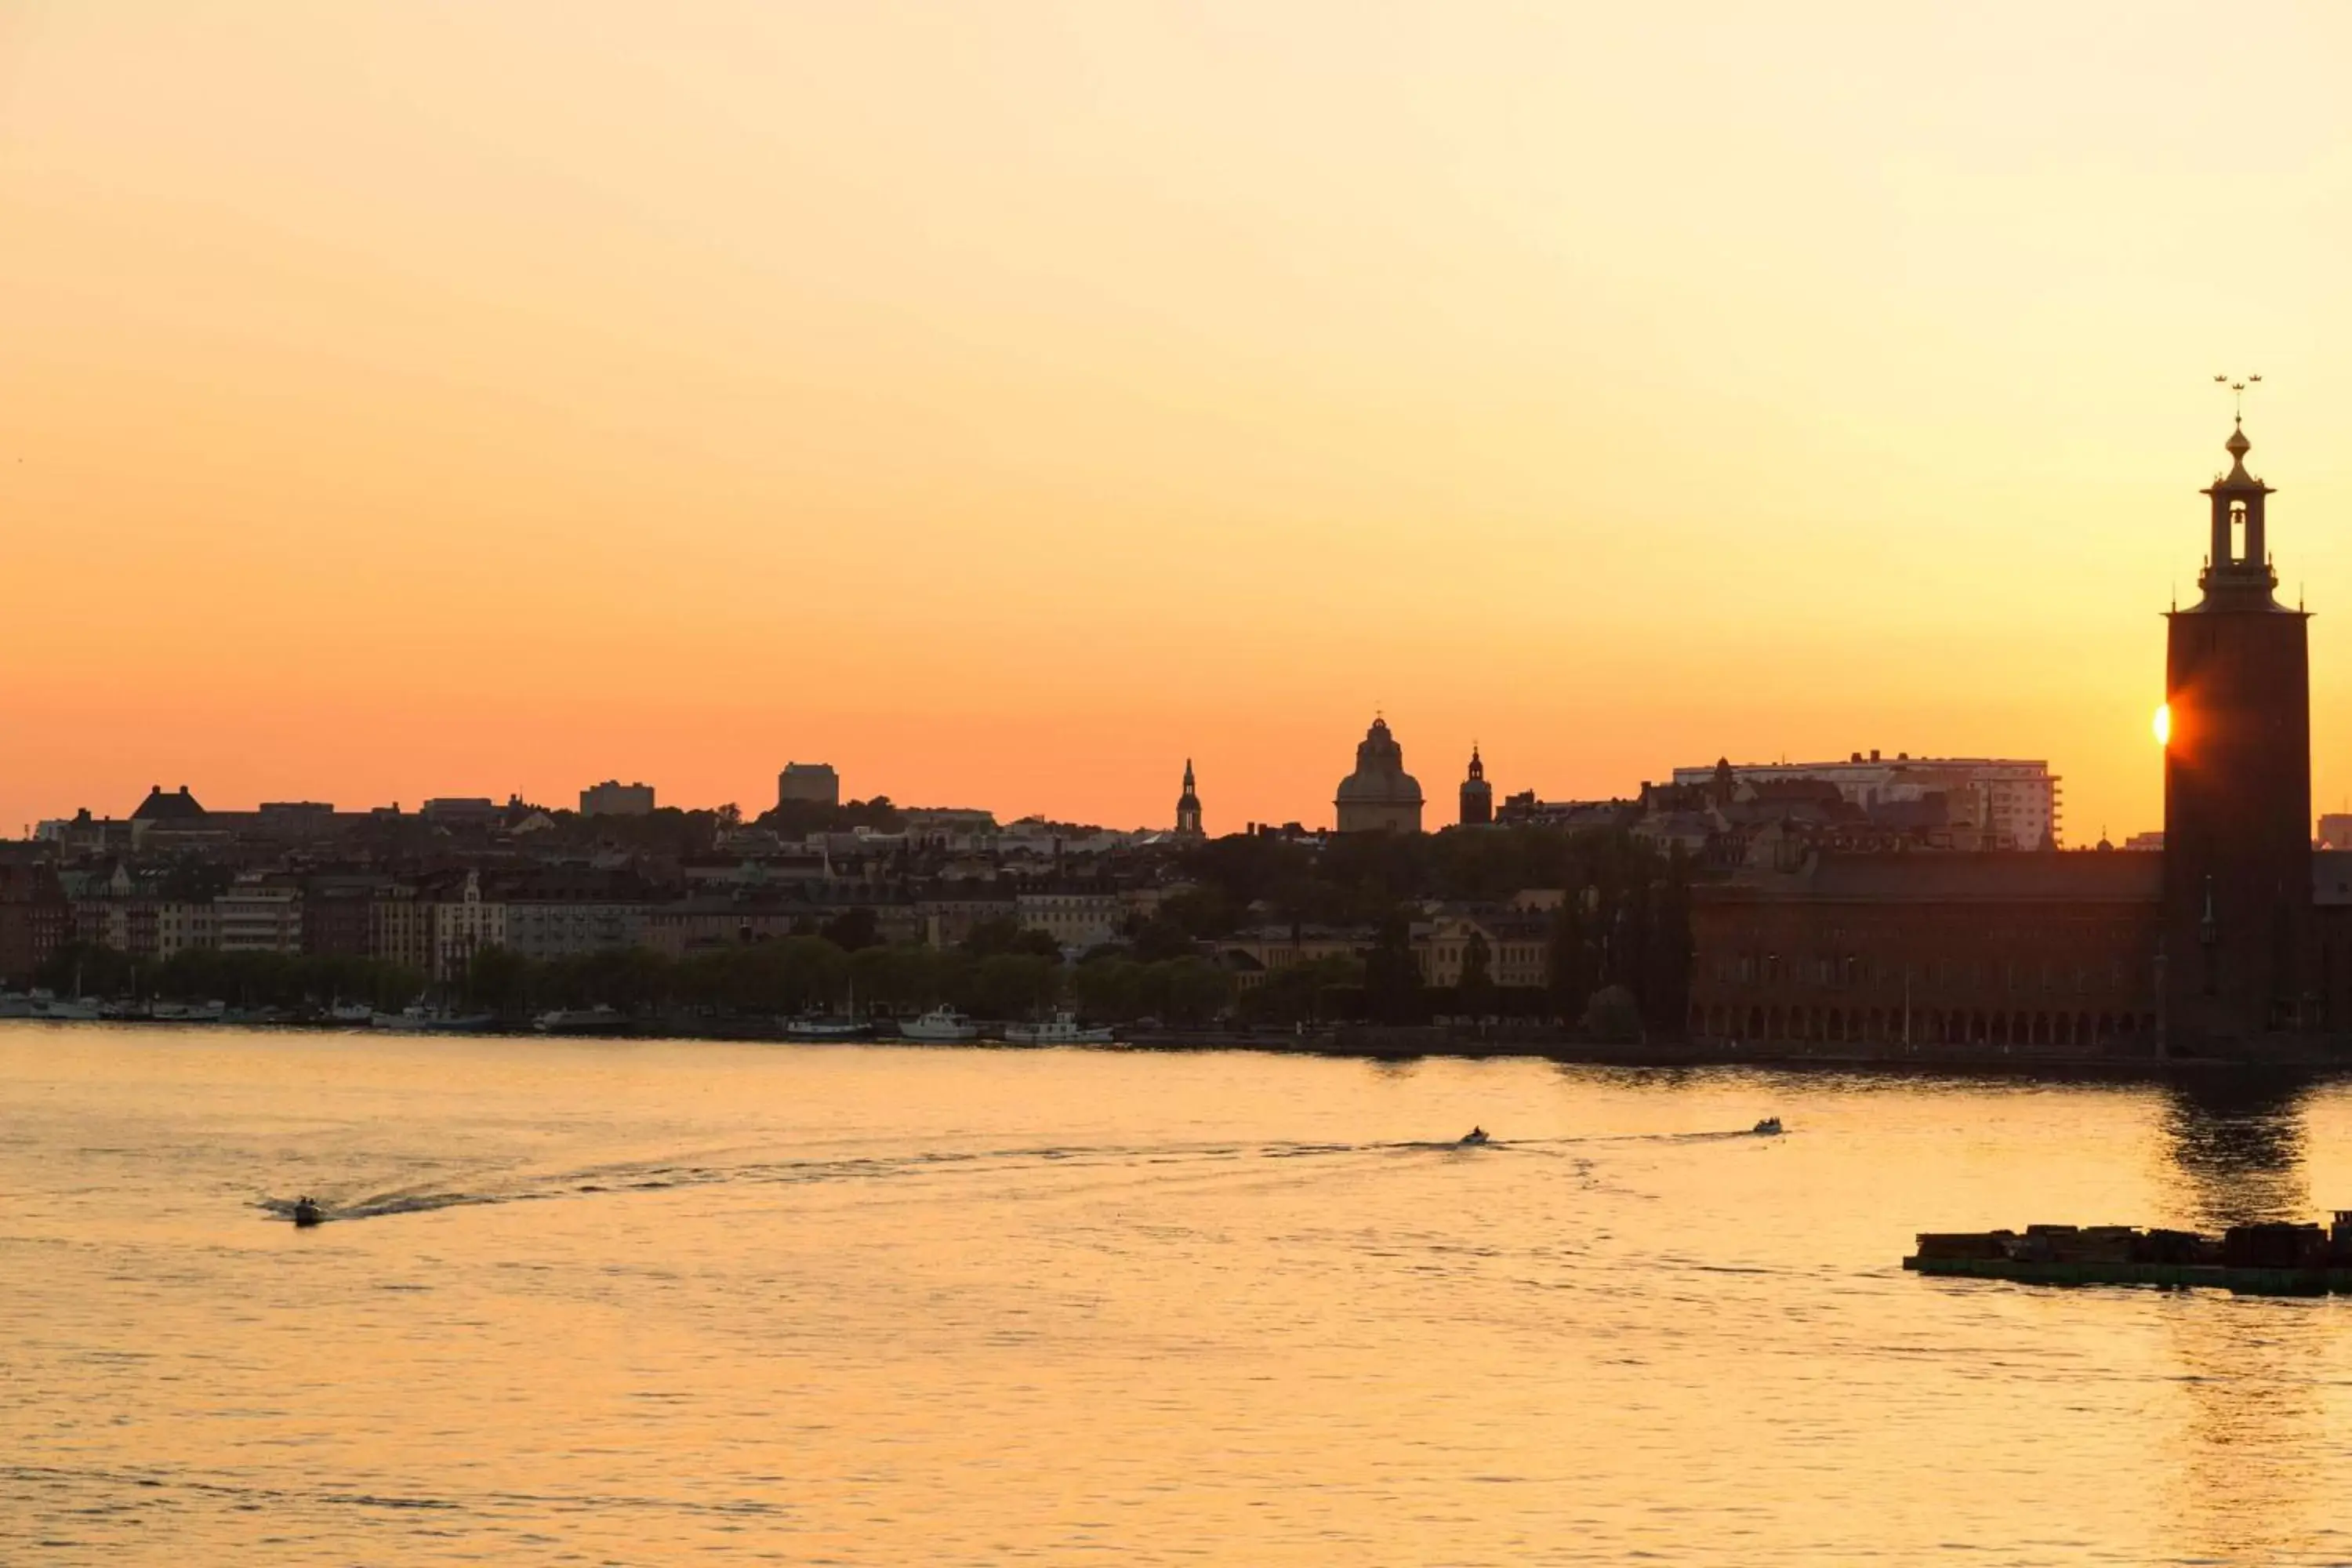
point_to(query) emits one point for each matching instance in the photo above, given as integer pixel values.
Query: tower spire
(2238, 393)
(1188, 807)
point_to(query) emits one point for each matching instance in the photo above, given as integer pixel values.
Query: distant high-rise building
(1478, 795)
(812, 782)
(613, 798)
(1188, 807)
(1379, 794)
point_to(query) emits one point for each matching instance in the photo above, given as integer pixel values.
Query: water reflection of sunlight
(2251, 1443)
(2236, 1148)
(2250, 1439)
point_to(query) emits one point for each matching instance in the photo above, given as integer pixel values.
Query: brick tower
(2237, 787)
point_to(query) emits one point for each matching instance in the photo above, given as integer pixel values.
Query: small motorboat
(1768, 1127)
(308, 1212)
(1476, 1135)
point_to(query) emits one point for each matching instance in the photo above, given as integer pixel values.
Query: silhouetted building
(2237, 785)
(814, 781)
(2017, 801)
(1379, 794)
(1478, 795)
(1188, 807)
(178, 807)
(613, 798)
(36, 920)
(2010, 950)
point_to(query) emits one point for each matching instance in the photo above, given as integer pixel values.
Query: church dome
(1380, 778)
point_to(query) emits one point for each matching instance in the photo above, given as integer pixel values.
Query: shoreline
(1400, 1044)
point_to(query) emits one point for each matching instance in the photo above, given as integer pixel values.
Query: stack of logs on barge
(2252, 1259)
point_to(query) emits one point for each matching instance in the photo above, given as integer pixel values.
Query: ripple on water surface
(580, 1301)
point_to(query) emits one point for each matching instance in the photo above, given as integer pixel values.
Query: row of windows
(1850, 969)
(2023, 936)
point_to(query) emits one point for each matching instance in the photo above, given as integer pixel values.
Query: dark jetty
(2251, 1259)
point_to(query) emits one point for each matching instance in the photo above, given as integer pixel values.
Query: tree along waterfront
(1617, 951)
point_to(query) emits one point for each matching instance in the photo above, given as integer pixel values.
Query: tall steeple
(1188, 807)
(2237, 789)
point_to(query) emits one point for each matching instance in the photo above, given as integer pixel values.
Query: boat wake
(377, 1207)
(744, 1167)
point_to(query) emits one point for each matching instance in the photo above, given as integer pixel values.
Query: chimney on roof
(1874, 754)
(1855, 758)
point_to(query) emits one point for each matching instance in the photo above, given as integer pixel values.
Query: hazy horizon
(1007, 404)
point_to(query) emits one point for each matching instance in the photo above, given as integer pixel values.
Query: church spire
(1188, 807)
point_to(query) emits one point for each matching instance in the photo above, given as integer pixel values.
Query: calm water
(670, 1302)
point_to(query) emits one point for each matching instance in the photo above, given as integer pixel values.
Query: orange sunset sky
(1004, 402)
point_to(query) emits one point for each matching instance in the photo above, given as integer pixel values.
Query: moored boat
(822, 1028)
(598, 1020)
(1062, 1030)
(942, 1023)
(418, 1019)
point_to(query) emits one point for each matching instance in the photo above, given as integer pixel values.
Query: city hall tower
(2237, 786)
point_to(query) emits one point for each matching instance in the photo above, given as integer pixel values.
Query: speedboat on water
(1476, 1135)
(1768, 1126)
(1062, 1030)
(942, 1025)
(307, 1213)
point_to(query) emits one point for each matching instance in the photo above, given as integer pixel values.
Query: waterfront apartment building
(463, 926)
(545, 929)
(258, 916)
(182, 927)
(399, 928)
(1072, 920)
(2022, 798)
(947, 922)
(146, 928)
(1518, 948)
